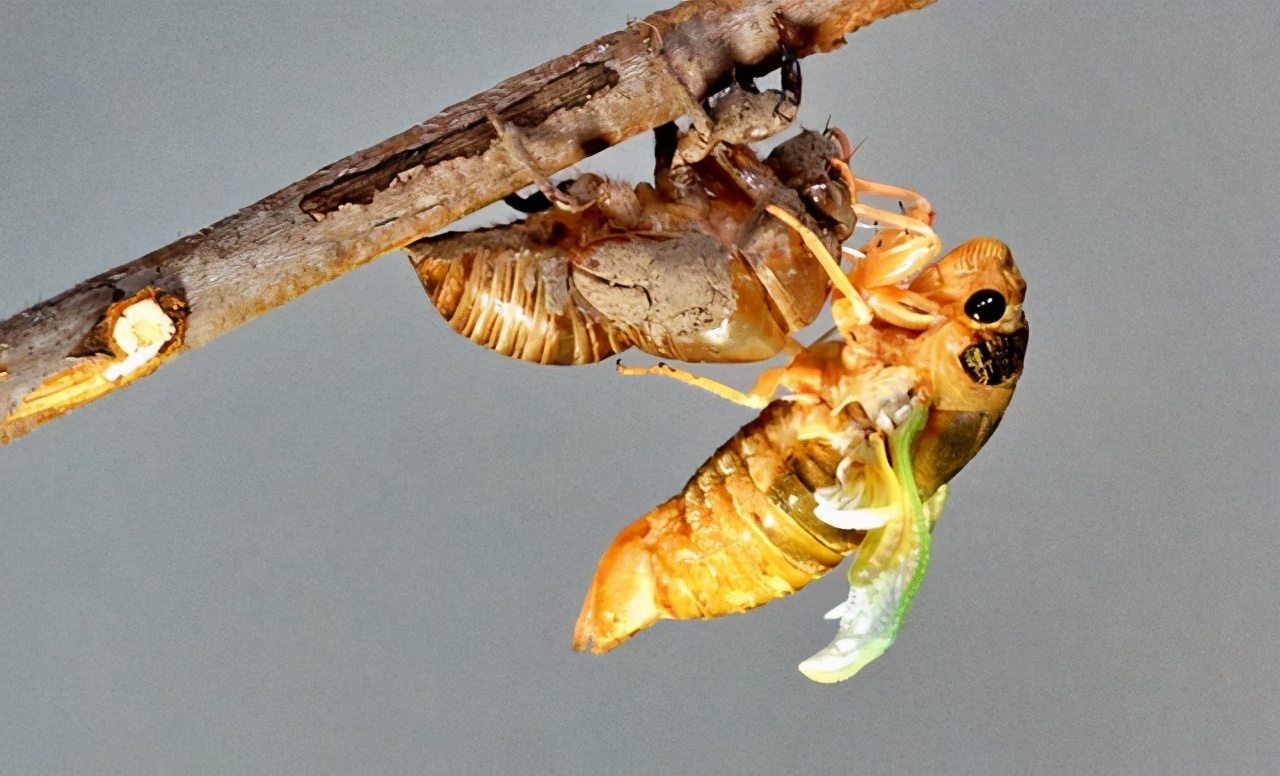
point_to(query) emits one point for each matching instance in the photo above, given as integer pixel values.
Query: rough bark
(111, 329)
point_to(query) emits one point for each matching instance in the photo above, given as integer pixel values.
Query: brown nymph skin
(689, 268)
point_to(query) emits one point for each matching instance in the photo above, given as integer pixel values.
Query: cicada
(854, 461)
(722, 259)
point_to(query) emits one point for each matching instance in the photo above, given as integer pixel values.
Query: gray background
(348, 540)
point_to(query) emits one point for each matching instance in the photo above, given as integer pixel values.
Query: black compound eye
(820, 196)
(985, 306)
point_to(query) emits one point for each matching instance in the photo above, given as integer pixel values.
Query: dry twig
(121, 325)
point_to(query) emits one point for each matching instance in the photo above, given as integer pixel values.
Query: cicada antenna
(838, 135)
(855, 148)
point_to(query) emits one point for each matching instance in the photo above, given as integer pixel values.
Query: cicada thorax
(969, 355)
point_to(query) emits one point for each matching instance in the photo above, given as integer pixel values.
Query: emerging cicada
(722, 259)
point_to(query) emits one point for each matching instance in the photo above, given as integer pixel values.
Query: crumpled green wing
(889, 567)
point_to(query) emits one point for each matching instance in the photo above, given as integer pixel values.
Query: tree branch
(121, 325)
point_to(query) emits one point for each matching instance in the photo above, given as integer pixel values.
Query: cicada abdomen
(512, 294)
(779, 505)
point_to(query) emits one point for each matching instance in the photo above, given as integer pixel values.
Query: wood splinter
(132, 339)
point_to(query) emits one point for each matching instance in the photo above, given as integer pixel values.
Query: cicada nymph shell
(689, 268)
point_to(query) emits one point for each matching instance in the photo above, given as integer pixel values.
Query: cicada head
(803, 164)
(971, 358)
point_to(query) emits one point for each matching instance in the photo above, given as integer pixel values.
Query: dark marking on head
(570, 90)
(996, 358)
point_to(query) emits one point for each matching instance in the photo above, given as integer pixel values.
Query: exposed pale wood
(404, 188)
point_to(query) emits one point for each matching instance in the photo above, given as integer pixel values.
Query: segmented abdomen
(742, 532)
(508, 293)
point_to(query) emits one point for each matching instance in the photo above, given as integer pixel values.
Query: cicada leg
(757, 398)
(903, 308)
(788, 106)
(741, 114)
(916, 211)
(673, 181)
(513, 141)
(847, 149)
(892, 260)
(896, 257)
(903, 258)
(860, 312)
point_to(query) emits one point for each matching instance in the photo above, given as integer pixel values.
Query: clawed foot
(548, 194)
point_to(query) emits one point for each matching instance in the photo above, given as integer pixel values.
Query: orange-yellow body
(743, 531)
(747, 527)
